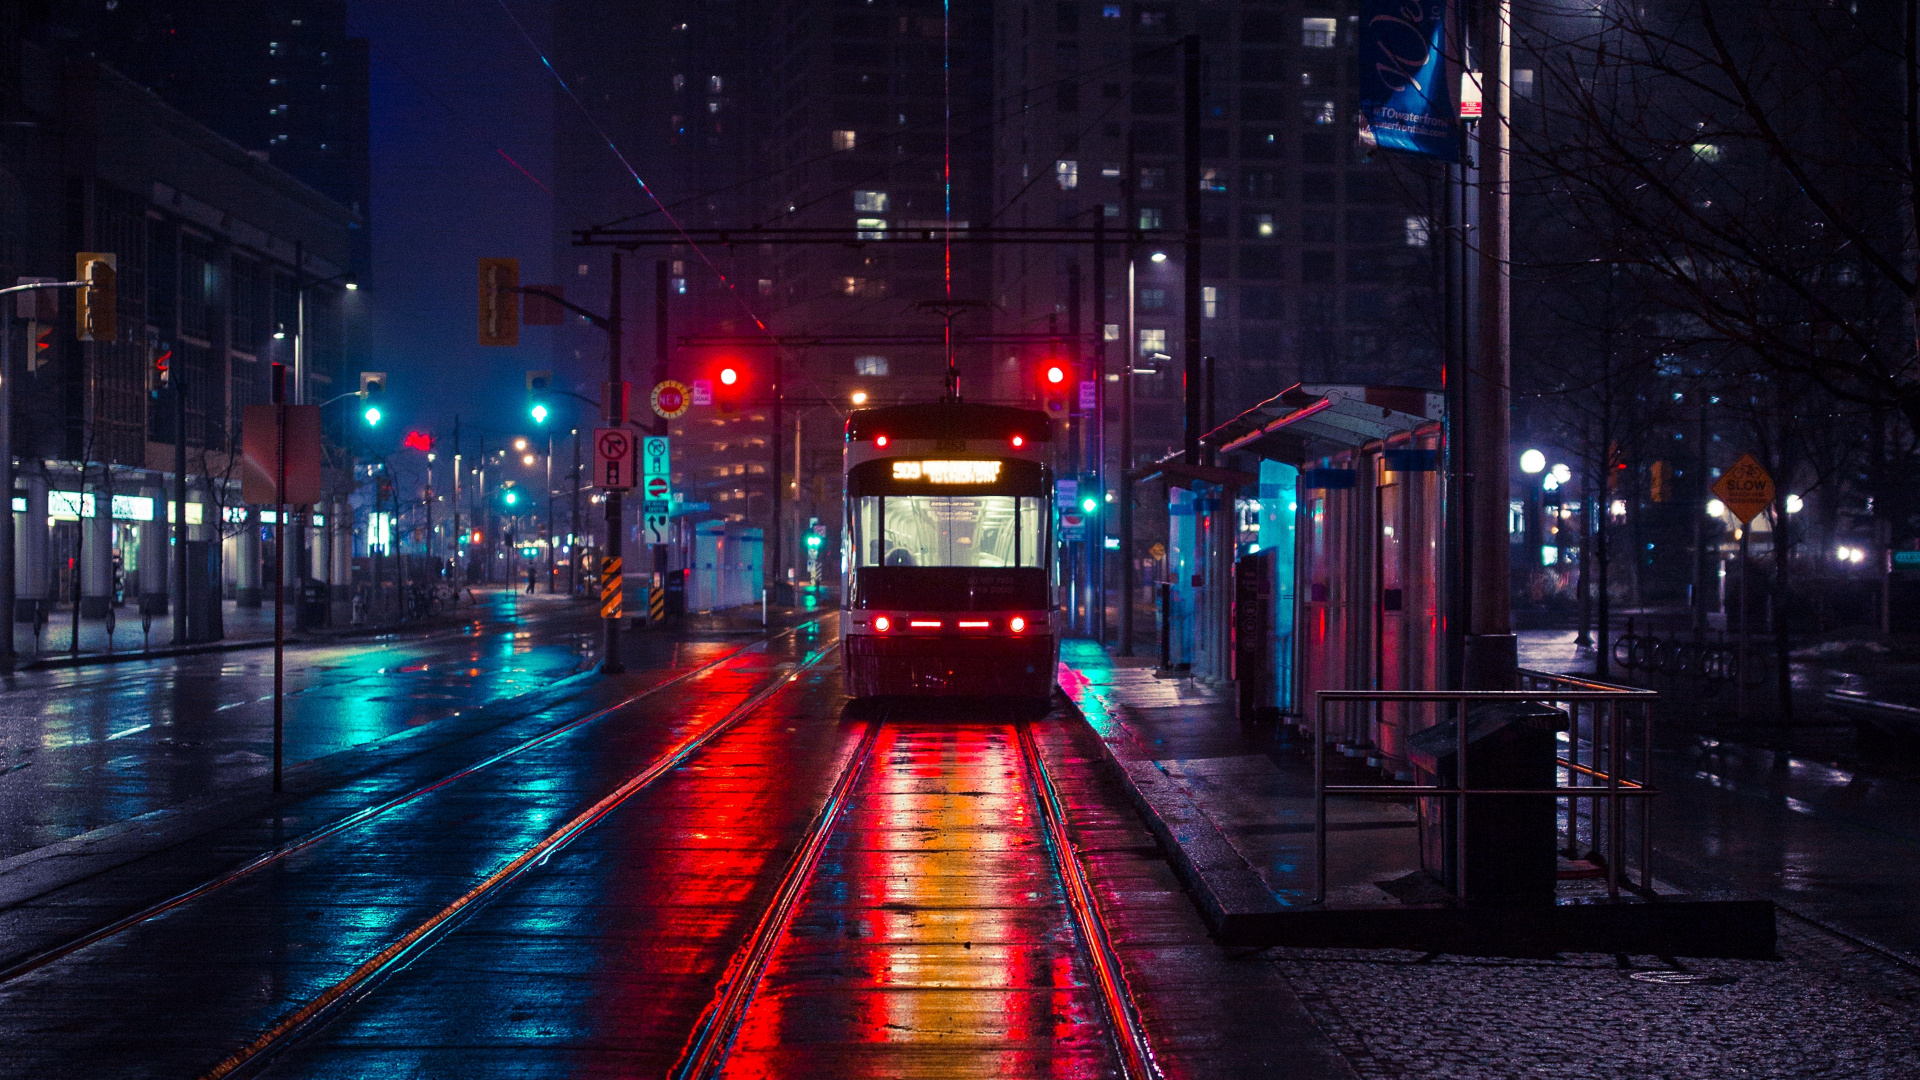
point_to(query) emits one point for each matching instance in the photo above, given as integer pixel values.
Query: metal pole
(573, 542)
(1491, 648)
(1099, 431)
(550, 544)
(662, 290)
(279, 563)
(1746, 628)
(1127, 359)
(453, 552)
(7, 598)
(773, 553)
(616, 412)
(178, 378)
(1190, 54)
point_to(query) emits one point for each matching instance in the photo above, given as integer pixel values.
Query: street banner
(1404, 101)
(259, 445)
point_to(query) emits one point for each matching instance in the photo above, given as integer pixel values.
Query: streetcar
(948, 553)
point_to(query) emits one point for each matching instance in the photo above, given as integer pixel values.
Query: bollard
(146, 631)
(1166, 626)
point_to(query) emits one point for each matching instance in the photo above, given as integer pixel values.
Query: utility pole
(573, 544)
(1492, 661)
(616, 413)
(662, 289)
(178, 379)
(1190, 53)
(1099, 430)
(1128, 358)
(453, 552)
(280, 533)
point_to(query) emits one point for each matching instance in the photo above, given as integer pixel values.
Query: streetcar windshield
(949, 530)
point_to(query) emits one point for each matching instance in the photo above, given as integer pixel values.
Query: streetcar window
(949, 530)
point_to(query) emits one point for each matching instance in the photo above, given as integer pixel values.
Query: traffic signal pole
(616, 413)
(662, 288)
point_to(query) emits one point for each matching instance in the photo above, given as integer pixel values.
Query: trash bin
(676, 593)
(1510, 839)
(315, 605)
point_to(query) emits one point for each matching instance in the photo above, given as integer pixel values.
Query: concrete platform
(1231, 805)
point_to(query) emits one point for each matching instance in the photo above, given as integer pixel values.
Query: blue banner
(1405, 102)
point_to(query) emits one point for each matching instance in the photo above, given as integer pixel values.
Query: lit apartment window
(1152, 341)
(1214, 180)
(679, 83)
(1110, 332)
(869, 365)
(1067, 174)
(1153, 299)
(1150, 217)
(1263, 225)
(766, 286)
(679, 268)
(870, 228)
(1209, 302)
(1110, 11)
(1318, 113)
(714, 84)
(870, 202)
(1523, 83)
(1110, 171)
(1319, 33)
(1153, 179)
(844, 140)
(680, 286)
(1419, 232)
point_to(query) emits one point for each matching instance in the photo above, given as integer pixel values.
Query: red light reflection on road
(934, 938)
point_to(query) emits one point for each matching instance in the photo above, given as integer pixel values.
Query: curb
(1233, 900)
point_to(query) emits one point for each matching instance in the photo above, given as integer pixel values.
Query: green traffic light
(512, 498)
(373, 416)
(1089, 504)
(539, 414)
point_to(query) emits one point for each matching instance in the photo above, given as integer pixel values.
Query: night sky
(453, 85)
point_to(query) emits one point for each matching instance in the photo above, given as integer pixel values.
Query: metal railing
(1603, 712)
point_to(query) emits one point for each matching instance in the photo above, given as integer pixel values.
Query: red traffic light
(418, 440)
(729, 376)
(1056, 374)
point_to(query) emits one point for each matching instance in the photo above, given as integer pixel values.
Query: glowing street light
(1532, 462)
(859, 397)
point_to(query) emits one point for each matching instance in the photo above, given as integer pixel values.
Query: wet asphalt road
(583, 904)
(90, 746)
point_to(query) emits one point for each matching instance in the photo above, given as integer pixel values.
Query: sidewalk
(1231, 805)
(243, 628)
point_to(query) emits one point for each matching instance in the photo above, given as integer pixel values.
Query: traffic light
(373, 388)
(160, 371)
(499, 301)
(94, 311)
(418, 440)
(1055, 379)
(510, 498)
(537, 386)
(42, 352)
(729, 387)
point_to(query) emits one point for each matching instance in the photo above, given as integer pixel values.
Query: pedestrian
(529, 579)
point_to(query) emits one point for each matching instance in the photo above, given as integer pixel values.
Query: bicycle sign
(613, 459)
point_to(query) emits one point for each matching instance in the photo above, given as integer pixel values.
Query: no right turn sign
(613, 459)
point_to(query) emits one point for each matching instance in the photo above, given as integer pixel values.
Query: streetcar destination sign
(948, 472)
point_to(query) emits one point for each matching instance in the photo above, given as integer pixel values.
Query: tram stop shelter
(1315, 498)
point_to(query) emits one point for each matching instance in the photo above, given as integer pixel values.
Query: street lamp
(1532, 462)
(859, 397)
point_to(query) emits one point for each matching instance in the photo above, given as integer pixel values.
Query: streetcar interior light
(1017, 624)
(882, 623)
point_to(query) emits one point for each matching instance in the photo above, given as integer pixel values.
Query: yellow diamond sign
(1746, 489)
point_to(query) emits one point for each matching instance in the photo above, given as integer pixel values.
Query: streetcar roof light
(1019, 441)
(879, 440)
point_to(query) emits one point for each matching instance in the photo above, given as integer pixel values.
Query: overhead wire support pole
(616, 415)
(1128, 356)
(1190, 61)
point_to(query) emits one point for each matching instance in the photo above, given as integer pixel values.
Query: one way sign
(613, 459)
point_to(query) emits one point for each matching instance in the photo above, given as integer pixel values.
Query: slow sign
(1746, 489)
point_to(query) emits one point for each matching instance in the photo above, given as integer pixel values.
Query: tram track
(323, 1007)
(367, 814)
(705, 1053)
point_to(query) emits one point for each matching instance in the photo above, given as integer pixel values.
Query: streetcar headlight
(882, 624)
(1017, 624)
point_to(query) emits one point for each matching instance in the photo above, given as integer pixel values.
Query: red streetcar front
(949, 542)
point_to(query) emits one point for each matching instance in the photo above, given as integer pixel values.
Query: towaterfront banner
(1405, 103)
